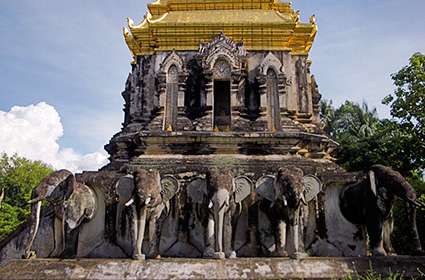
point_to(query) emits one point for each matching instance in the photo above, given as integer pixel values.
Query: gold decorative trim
(262, 25)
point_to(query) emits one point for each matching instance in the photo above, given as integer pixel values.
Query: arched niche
(272, 96)
(272, 83)
(171, 80)
(223, 68)
(222, 107)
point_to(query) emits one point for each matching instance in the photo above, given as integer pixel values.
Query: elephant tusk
(35, 200)
(372, 182)
(131, 201)
(210, 205)
(417, 203)
(147, 200)
(303, 199)
(285, 202)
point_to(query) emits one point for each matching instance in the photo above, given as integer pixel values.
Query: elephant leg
(387, 230)
(59, 240)
(209, 238)
(35, 222)
(70, 242)
(140, 225)
(230, 224)
(118, 219)
(154, 232)
(280, 239)
(375, 233)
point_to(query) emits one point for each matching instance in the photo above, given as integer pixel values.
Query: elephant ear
(372, 181)
(265, 187)
(312, 187)
(243, 188)
(125, 188)
(197, 190)
(81, 205)
(169, 187)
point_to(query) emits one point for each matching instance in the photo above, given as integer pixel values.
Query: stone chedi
(220, 154)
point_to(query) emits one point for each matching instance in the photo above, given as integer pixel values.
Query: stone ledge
(258, 268)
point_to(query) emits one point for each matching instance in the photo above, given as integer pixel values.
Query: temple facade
(234, 72)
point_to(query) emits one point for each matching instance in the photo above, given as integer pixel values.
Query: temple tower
(220, 77)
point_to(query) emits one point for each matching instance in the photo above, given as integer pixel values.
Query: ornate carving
(222, 70)
(172, 59)
(222, 47)
(303, 94)
(271, 61)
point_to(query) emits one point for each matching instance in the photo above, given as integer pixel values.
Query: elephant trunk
(218, 224)
(118, 219)
(35, 222)
(140, 224)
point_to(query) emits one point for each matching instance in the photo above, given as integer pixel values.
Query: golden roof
(262, 25)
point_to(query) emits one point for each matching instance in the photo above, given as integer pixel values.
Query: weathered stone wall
(288, 103)
(260, 268)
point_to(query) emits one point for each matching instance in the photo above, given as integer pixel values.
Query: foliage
(18, 176)
(408, 101)
(407, 105)
(366, 140)
(355, 128)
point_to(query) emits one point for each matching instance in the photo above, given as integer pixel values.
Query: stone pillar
(292, 100)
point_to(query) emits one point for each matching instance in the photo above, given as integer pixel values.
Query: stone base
(258, 268)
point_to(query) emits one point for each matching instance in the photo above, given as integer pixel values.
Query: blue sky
(71, 55)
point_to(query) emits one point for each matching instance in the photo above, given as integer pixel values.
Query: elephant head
(289, 187)
(147, 187)
(387, 183)
(55, 189)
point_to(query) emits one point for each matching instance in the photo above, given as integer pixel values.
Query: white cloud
(33, 132)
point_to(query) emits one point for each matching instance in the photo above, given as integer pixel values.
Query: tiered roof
(181, 25)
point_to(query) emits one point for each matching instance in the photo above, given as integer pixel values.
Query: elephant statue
(73, 203)
(368, 203)
(227, 198)
(281, 202)
(149, 197)
(55, 189)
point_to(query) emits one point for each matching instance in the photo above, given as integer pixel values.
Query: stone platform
(258, 268)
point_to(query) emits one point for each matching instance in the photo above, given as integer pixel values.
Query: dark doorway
(222, 110)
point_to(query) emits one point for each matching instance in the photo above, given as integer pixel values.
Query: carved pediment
(222, 47)
(271, 61)
(172, 59)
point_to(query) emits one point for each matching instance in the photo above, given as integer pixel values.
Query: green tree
(408, 100)
(357, 129)
(407, 105)
(18, 176)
